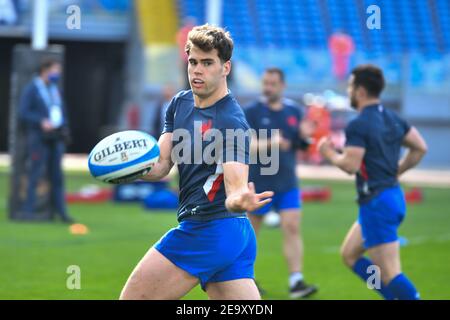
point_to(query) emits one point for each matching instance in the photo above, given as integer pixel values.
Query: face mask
(54, 77)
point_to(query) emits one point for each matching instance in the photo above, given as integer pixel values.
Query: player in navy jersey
(214, 243)
(273, 111)
(372, 152)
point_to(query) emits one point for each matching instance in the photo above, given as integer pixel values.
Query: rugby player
(373, 143)
(273, 111)
(214, 243)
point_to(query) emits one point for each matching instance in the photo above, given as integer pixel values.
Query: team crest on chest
(292, 121)
(206, 125)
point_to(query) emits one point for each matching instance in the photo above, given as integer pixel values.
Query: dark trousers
(46, 158)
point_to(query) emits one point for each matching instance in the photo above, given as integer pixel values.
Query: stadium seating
(407, 25)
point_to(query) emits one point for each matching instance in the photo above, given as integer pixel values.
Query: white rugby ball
(272, 219)
(123, 156)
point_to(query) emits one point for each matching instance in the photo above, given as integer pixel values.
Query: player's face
(351, 92)
(206, 72)
(272, 86)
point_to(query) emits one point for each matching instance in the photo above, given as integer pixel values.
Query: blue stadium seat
(407, 25)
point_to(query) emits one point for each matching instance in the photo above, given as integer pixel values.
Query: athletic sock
(402, 288)
(294, 278)
(360, 268)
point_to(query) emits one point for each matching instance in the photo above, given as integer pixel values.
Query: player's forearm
(341, 161)
(416, 149)
(410, 160)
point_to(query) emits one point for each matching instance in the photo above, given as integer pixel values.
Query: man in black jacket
(44, 117)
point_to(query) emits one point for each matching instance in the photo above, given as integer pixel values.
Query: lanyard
(52, 100)
(49, 94)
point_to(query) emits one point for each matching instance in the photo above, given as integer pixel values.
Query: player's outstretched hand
(324, 145)
(251, 201)
(307, 128)
(283, 143)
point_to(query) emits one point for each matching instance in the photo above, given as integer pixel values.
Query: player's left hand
(307, 128)
(324, 145)
(251, 201)
(283, 143)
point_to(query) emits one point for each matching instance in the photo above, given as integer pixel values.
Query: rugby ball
(272, 219)
(123, 157)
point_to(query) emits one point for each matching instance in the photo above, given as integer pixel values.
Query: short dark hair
(46, 64)
(277, 71)
(208, 37)
(369, 77)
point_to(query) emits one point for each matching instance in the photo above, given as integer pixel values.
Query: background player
(273, 111)
(372, 151)
(214, 243)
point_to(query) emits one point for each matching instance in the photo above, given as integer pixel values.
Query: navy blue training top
(380, 132)
(287, 120)
(202, 191)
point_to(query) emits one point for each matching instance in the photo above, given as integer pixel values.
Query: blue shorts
(381, 217)
(213, 251)
(282, 201)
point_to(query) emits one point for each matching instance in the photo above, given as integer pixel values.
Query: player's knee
(291, 228)
(348, 256)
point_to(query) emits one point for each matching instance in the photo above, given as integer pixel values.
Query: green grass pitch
(34, 256)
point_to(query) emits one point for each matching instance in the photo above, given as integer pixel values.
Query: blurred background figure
(168, 91)
(45, 121)
(341, 46)
(273, 111)
(182, 35)
(132, 116)
(321, 117)
(373, 153)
